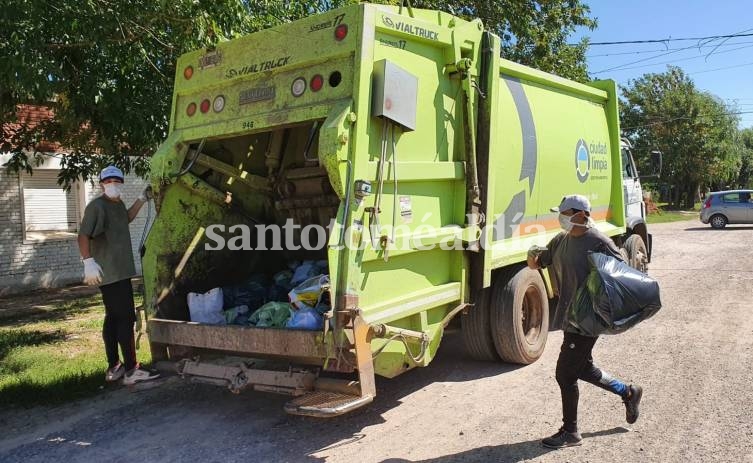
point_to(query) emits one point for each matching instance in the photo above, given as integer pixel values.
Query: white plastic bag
(207, 307)
(309, 293)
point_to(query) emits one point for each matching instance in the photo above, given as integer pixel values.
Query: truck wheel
(637, 254)
(519, 315)
(718, 221)
(476, 332)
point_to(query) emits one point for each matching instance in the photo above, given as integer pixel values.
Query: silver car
(723, 207)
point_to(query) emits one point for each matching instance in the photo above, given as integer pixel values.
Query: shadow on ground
(47, 305)
(11, 339)
(519, 451)
(710, 229)
(181, 420)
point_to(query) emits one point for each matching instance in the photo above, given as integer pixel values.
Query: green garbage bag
(271, 315)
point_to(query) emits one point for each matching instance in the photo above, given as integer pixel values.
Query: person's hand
(146, 194)
(92, 272)
(533, 256)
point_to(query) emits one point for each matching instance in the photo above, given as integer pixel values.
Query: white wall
(50, 263)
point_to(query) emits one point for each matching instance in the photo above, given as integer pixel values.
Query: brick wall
(49, 263)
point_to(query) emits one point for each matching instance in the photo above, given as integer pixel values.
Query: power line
(721, 69)
(706, 39)
(622, 68)
(640, 52)
(710, 37)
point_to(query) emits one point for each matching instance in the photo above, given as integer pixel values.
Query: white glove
(146, 194)
(92, 272)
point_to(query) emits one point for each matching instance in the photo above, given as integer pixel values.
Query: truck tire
(476, 333)
(519, 315)
(637, 254)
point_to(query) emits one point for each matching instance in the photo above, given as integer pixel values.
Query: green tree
(106, 67)
(745, 176)
(695, 131)
(533, 32)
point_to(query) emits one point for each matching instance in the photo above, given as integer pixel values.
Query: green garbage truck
(421, 164)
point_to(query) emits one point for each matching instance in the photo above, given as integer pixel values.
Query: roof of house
(30, 116)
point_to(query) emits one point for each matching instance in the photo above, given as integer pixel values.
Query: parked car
(723, 207)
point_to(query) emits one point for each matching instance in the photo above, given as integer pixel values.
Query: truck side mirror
(656, 165)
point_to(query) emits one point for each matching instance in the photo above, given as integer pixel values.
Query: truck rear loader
(431, 161)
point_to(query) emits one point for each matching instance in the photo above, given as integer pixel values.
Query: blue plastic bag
(306, 318)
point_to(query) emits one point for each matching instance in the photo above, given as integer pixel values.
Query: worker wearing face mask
(104, 241)
(566, 257)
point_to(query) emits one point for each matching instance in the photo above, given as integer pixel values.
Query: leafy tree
(745, 176)
(106, 67)
(533, 32)
(694, 130)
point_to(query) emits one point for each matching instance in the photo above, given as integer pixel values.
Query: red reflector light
(205, 105)
(317, 82)
(191, 109)
(341, 32)
(188, 72)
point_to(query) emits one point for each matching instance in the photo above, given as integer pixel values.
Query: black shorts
(118, 300)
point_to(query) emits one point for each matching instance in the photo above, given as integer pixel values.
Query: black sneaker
(631, 404)
(562, 439)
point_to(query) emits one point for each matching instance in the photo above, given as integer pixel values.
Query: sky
(665, 19)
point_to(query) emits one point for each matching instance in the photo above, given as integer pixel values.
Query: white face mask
(113, 190)
(567, 224)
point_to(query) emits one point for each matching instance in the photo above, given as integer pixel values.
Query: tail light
(188, 72)
(707, 204)
(341, 32)
(205, 105)
(191, 109)
(317, 82)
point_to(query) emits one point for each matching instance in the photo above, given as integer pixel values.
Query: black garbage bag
(614, 298)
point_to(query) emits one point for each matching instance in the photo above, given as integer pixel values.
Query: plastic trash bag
(306, 319)
(271, 315)
(614, 298)
(281, 286)
(237, 315)
(252, 292)
(309, 293)
(206, 307)
(308, 269)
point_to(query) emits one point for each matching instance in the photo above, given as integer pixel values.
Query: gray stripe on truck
(528, 167)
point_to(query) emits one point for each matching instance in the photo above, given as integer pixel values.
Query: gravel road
(694, 360)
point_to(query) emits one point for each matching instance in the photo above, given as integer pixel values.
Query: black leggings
(576, 362)
(120, 315)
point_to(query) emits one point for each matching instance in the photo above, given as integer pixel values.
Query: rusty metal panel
(241, 339)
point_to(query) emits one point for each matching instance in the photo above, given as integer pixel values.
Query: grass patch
(673, 215)
(53, 352)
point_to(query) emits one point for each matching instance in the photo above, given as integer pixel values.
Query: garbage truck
(422, 163)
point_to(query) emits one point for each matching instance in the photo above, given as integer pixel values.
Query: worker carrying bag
(614, 298)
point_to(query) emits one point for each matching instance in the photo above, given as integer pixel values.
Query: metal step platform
(326, 404)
